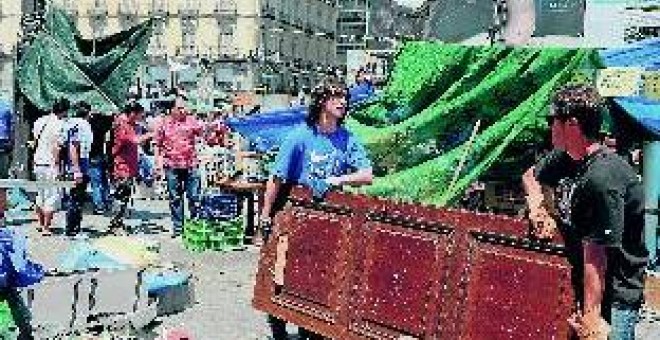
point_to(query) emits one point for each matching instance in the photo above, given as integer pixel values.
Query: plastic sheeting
(59, 63)
(644, 54)
(265, 131)
(107, 253)
(83, 256)
(437, 92)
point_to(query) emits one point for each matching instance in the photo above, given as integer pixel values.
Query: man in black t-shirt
(599, 208)
(98, 170)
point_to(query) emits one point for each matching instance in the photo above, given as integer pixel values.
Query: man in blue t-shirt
(362, 89)
(320, 154)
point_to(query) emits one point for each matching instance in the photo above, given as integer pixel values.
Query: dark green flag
(60, 63)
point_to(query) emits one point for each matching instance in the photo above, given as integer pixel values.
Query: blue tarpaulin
(83, 256)
(265, 131)
(646, 55)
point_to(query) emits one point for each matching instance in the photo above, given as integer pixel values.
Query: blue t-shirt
(307, 155)
(360, 91)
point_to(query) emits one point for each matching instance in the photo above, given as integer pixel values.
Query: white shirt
(47, 132)
(84, 133)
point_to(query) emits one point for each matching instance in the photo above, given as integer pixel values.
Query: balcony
(188, 13)
(158, 9)
(228, 52)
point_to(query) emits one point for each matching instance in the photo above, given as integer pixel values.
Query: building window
(70, 7)
(98, 18)
(226, 41)
(188, 15)
(159, 8)
(128, 16)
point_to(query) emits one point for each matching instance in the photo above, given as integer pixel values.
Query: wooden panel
(401, 281)
(513, 293)
(312, 258)
(364, 268)
(315, 261)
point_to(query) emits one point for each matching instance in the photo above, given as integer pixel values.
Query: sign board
(619, 81)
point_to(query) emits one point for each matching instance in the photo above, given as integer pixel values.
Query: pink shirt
(176, 139)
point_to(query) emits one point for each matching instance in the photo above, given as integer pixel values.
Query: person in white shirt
(77, 139)
(46, 134)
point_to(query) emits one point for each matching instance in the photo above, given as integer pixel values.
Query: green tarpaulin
(417, 131)
(59, 63)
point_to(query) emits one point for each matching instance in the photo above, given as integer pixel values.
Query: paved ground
(224, 280)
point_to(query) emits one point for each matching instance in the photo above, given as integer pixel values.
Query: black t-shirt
(605, 205)
(101, 125)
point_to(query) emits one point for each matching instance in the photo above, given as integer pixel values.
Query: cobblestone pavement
(224, 280)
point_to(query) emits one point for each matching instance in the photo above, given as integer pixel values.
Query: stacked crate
(218, 226)
(201, 235)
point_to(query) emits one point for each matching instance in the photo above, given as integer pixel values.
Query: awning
(645, 55)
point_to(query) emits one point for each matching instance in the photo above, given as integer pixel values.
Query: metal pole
(651, 196)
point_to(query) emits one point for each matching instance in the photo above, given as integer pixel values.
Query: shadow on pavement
(148, 215)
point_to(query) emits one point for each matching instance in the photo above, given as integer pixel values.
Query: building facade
(352, 26)
(370, 30)
(10, 21)
(273, 46)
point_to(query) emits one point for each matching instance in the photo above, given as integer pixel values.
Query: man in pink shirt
(176, 138)
(125, 155)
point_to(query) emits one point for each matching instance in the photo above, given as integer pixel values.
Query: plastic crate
(227, 235)
(217, 205)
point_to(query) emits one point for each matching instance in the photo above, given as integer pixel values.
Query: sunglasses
(330, 92)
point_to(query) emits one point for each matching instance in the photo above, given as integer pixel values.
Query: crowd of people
(580, 189)
(117, 152)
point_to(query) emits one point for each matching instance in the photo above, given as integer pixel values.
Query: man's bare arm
(272, 188)
(541, 205)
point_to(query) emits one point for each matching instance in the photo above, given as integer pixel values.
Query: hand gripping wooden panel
(354, 267)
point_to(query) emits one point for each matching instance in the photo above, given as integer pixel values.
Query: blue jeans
(180, 181)
(623, 322)
(98, 176)
(146, 169)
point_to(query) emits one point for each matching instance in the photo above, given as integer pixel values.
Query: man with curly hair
(320, 154)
